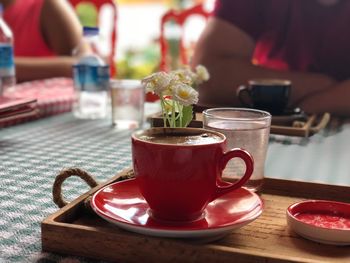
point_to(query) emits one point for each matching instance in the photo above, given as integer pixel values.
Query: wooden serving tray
(76, 230)
(301, 126)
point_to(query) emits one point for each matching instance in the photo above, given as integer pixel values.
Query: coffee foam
(181, 138)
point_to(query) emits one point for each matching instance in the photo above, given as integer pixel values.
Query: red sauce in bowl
(332, 221)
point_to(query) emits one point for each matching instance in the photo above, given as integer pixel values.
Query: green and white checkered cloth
(31, 155)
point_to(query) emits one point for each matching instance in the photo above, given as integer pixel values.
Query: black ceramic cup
(270, 95)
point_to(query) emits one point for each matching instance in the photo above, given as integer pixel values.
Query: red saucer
(122, 204)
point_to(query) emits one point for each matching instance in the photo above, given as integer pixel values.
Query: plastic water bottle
(7, 66)
(91, 80)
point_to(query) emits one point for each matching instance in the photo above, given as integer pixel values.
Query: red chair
(99, 4)
(179, 17)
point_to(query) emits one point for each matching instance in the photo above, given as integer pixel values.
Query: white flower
(176, 93)
(202, 74)
(185, 94)
(158, 83)
(184, 75)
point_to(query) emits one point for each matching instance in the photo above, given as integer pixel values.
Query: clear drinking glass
(244, 128)
(127, 97)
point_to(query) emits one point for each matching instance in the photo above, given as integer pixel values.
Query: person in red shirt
(45, 35)
(307, 42)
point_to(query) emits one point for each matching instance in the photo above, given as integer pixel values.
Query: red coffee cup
(178, 170)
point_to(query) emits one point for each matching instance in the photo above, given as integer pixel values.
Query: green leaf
(186, 115)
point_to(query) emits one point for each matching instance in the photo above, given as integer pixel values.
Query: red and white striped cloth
(54, 96)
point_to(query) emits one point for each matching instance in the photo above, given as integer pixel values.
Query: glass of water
(244, 128)
(127, 98)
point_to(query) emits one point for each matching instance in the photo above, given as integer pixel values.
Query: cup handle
(241, 90)
(223, 187)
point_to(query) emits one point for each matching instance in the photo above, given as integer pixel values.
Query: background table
(32, 154)
(322, 158)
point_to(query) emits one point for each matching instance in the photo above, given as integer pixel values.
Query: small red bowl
(322, 221)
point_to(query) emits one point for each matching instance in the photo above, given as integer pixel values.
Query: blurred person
(45, 35)
(306, 42)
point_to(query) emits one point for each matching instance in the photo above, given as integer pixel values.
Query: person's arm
(227, 53)
(31, 68)
(62, 32)
(334, 100)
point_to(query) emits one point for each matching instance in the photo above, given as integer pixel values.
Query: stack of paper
(12, 109)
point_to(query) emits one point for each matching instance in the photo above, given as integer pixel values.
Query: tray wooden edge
(310, 190)
(150, 248)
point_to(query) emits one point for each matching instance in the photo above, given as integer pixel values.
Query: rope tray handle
(62, 176)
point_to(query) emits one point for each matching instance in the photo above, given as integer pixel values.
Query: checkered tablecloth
(32, 154)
